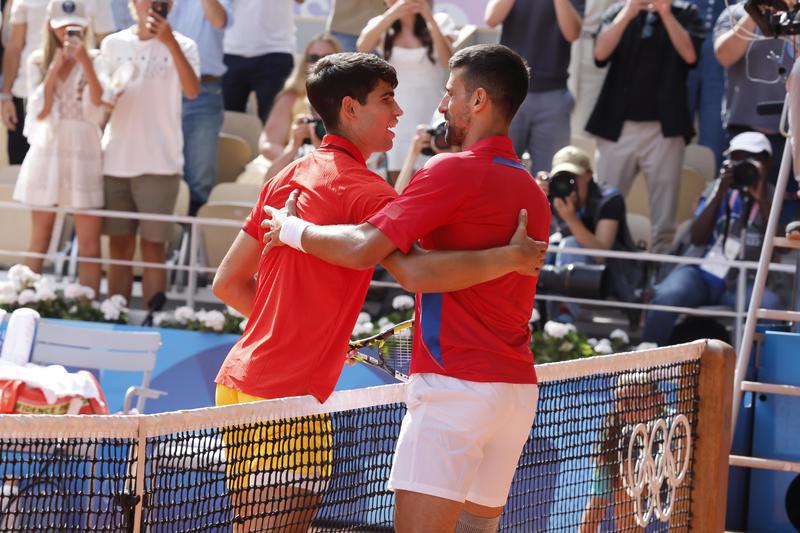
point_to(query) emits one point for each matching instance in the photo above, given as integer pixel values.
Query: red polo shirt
(470, 201)
(304, 311)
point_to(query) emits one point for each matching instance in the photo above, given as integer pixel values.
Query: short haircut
(345, 74)
(502, 73)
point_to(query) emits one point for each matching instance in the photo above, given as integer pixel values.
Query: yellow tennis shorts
(294, 451)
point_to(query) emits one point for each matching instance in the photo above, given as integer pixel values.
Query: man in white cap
(730, 221)
(588, 215)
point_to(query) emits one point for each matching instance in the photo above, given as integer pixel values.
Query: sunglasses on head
(313, 58)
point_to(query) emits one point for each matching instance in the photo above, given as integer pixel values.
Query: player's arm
(443, 271)
(234, 282)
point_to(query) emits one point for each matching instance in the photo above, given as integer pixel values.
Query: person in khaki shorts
(149, 67)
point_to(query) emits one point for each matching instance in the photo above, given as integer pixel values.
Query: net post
(710, 463)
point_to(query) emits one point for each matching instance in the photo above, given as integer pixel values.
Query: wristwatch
(5, 96)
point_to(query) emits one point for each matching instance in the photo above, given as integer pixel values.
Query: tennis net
(614, 445)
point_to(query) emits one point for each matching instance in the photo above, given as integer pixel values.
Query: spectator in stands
(585, 78)
(418, 44)
(642, 117)
(64, 164)
(541, 32)
(706, 84)
(143, 140)
(259, 49)
(732, 213)
(348, 17)
(755, 70)
(285, 130)
(589, 214)
(27, 20)
(203, 21)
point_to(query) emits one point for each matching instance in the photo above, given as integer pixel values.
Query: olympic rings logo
(663, 457)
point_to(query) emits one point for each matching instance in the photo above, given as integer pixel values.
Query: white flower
(73, 291)
(158, 318)
(73, 309)
(535, 316)
(383, 322)
(592, 342)
(27, 297)
(214, 319)
(620, 335)
(646, 346)
(110, 310)
(95, 304)
(89, 293)
(119, 301)
(403, 302)
(363, 317)
(565, 346)
(8, 293)
(22, 276)
(183, 314)
(363, 328)
(243, 324)
(603, 347)
(557, 330)
(45, 289)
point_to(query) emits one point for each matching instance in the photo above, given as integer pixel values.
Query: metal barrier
(194, 266)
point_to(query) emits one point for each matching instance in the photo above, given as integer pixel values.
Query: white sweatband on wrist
(292, 232)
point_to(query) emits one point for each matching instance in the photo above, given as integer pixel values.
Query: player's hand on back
(275, 219)
(532, 253)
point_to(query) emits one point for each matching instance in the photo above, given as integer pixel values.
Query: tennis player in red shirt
(472, 395)
(301, 310)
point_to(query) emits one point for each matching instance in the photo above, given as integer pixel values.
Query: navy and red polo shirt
(470, 201)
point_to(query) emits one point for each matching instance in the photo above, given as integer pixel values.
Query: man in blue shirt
(204, 21)
(730, 222)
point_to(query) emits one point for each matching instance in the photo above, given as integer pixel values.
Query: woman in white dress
(63, 166)
(418, 44)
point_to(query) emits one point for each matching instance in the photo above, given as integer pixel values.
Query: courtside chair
(101, 349)
(701, 158)
(233, 154)
(16, 224)
(8, 174)
(216, 240)
(690, 188)
(639, 226)
(235, 192)
(244, 125)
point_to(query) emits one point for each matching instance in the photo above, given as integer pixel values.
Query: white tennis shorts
(461, 440)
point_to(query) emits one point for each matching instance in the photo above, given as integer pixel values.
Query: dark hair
(345, 74)
(421, 32)
(502, 73)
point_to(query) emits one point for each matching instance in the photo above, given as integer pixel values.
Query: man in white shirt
(259, 52)
(27, 23)
(148, 67)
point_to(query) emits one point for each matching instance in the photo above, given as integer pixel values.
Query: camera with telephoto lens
(437, 134)
(745, 173)
(161, 7)
(575, 280)
(319, 128)
(561, 185)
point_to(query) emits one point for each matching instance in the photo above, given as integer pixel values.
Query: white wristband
(292, 232)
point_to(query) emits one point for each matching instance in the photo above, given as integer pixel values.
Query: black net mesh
(600, 444)
(82, 484)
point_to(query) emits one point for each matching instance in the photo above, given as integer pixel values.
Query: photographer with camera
(588, 215)
(730, 222)
(429, 140)
(306, 135)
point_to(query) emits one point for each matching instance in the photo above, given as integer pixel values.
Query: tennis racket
(389, 350)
